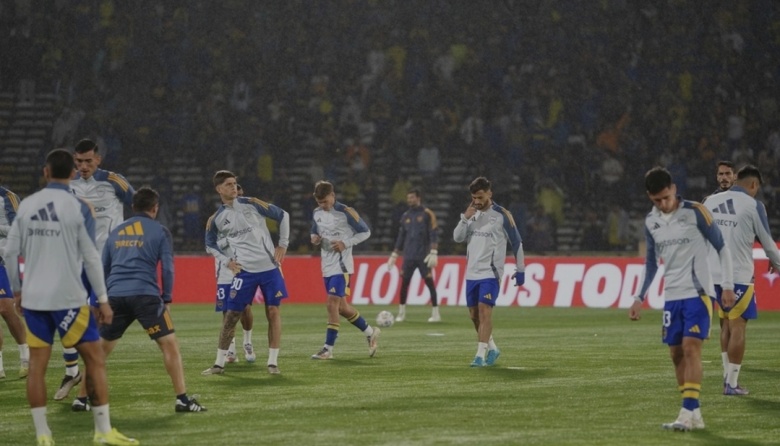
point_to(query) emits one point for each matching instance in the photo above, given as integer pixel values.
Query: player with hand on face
(679, 232)
(486, 227)
(417, 240)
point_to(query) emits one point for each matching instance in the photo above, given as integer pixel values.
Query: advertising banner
(594, 282)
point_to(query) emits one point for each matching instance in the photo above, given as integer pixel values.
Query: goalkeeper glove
(519, 278)
(391, 260)
(432, 259)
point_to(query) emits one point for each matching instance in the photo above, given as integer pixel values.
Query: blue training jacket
(130, 258)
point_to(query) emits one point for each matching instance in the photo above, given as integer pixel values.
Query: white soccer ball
(385, 319)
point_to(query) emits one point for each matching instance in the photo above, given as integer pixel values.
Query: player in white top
(336, 229)
(54, 232)
(224, 279)
(486, 227)
(254, 260)
(9, 203)
(108, 193)
(679, 232)
(742, 219)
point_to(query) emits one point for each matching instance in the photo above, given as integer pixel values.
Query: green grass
(565, 377)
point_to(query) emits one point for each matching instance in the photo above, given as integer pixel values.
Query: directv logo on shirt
(43, 232)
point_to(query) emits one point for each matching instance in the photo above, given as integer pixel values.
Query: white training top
(340, 223)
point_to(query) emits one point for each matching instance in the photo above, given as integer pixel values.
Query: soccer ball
(385, 319)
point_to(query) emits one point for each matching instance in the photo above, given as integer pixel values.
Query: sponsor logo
(43, 232)
(46, 213)
(660, 246)
(482, 234)
(694, 329)
(68, 319)
(240, 232)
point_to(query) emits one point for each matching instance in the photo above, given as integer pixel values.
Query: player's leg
(274, 317)
(744, 309)
(427, 275)
(42, 326)
(222, 290)
(242, 289)
(2, 368)
(273, 290)
(407, 269)
(353, 317)
(332, 330)
(14, 322)
(247, 324)
(724, 334)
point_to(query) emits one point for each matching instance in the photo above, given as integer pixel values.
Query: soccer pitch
(565, 377)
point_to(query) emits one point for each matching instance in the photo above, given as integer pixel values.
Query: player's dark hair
(60, 164)
(86, 145)
(239, 188)
(221, 176)
(144, 199)
(322, 189)
(726, 163)
(750, 171)
(416, 192)
(479, 183)
(657, 179)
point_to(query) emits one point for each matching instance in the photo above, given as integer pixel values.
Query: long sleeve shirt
(9, 203)
(108, 192)
(54, 232)
(131, 255)
(486, 234)
(418, 233)
(340, 223)
(243, 226)
(681, 240)
(741, 219)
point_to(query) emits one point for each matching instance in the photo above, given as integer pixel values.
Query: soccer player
(133, 251)
(54, 232)
(678, 233)
(9, 203)
(255, 262)
(725, 176)
(486, 227)
(336, 229)
(108, 193)
(224, 279)
(418, 237)
(742, 219)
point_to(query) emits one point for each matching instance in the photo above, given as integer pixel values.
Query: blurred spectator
(192, 219)
(592, 234)
(617, 228)
(401, 187)
(541, 232)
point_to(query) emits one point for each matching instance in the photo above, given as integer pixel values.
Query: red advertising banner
(595, 282)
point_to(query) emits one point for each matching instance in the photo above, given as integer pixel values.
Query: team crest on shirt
(493, 220)
(233, 294)
(419, 218)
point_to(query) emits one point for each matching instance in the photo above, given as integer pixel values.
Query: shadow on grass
(764, 405)
(771, 373)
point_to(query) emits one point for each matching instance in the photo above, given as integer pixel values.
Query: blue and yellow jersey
(341, 223)
(108, 192)
(681, 241)
(131, 255)
(54, 232)
(243, 228)
(486, 234)
(418, 232)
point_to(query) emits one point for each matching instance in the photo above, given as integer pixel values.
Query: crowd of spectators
(576, 99)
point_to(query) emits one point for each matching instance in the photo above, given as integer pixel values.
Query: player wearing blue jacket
(9, 203)
(679, 232)
(486, 227)
(132, 253)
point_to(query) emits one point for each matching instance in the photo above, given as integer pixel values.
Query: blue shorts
(481, 291)
(245, 284)
(745, 307)
(91, 298)
(688, 317)
(75, 326)
(338, 285)
(5, 284)
(223, 289)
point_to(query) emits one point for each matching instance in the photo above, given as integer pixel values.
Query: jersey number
(237, 283)
(667, 318)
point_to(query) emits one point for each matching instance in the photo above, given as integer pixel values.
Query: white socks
(482, 349)
(247, 337)
(273, 356)
(733, 376)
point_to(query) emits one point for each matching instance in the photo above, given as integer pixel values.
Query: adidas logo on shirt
(47, 213)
